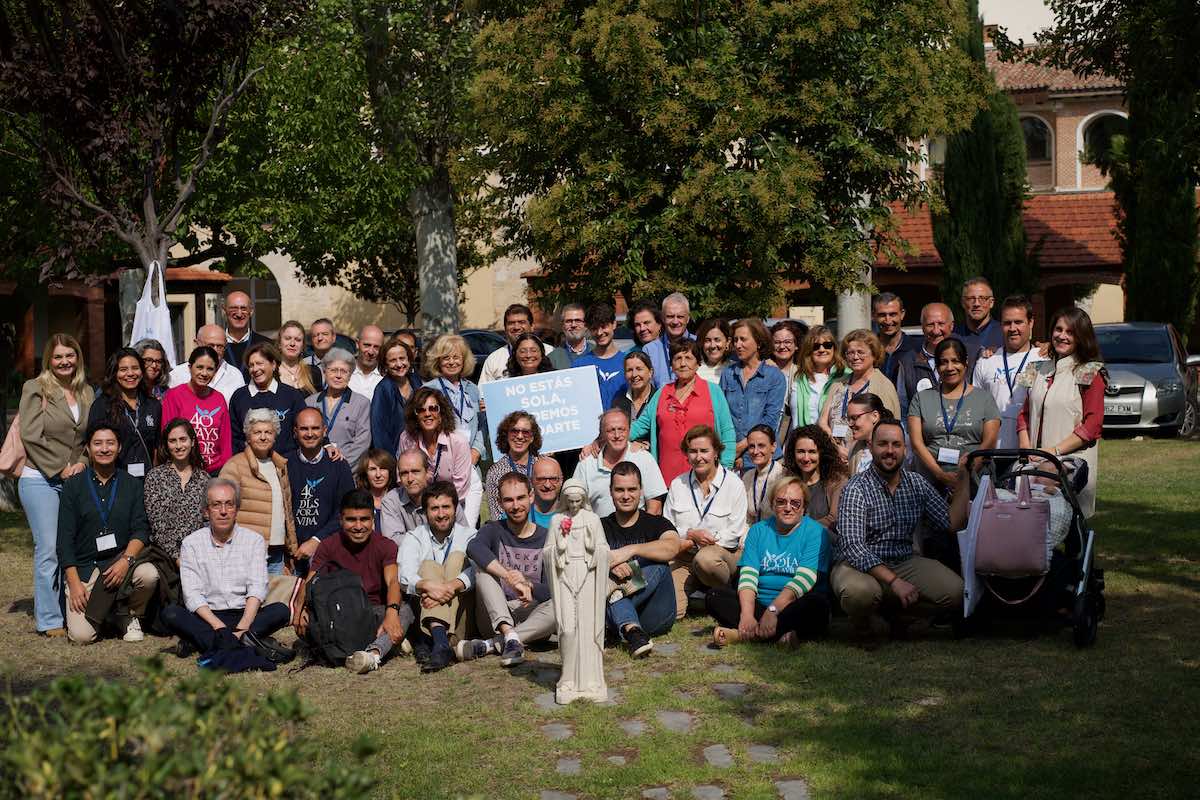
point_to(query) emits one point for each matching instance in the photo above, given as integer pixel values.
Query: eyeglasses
(431, 410)
(521, 433)
(783, 502)
(784, 343)
(852, 418)
(222, 505)
(545, 478)
(823, 346)
(976, 298)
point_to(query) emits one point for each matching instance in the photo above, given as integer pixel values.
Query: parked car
(1152, 380)
(483, 343)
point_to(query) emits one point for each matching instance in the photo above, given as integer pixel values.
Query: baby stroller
(1067, 589)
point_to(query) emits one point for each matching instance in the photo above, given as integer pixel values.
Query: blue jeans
(652, 609)
(275, 555)
(39, 498)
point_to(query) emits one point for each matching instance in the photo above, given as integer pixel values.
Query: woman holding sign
(950, 420)
(528, 357)
(861, 351)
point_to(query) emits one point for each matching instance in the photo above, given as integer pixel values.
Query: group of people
(765, 477)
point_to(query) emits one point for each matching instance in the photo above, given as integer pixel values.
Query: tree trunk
(432, 206)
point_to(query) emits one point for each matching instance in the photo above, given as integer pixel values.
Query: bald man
(227, 380)
(366, 374)
(239, 312)
(917, 370)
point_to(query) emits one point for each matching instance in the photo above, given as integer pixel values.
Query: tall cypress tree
(984, 187)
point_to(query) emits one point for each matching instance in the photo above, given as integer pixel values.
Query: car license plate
(1121, 409)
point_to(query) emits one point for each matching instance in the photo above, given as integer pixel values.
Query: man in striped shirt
(880, 512)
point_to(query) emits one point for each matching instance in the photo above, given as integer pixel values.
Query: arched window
(1037, 139)
(1098, 138)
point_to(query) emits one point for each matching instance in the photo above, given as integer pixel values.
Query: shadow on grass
(993, 716)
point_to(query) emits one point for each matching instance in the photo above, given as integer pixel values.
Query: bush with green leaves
(157, 736)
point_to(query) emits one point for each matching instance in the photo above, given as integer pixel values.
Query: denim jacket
(758, 401)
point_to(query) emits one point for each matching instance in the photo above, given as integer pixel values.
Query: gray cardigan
(351, 431)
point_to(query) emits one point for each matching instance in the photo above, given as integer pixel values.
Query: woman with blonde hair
(818, 364)
(861, 351)
(53, 416)
(294, 369)
(448, 362)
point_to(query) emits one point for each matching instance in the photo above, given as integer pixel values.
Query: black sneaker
(513, 653)
(638, 642)
(439, 659)
(422, 650)
(184, 648)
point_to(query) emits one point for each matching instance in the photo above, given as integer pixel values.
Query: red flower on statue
(565, 525)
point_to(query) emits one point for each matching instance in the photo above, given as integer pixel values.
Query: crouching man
(223, 576)
(511, 592)
(435, 573)
(372, 557)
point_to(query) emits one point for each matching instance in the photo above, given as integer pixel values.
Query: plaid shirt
(222, 577)
(876, 526)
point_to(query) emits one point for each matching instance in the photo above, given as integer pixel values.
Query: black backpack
(340, 618)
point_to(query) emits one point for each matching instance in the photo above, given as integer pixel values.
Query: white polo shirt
(597, 477)
(227, 380)
(990, 375)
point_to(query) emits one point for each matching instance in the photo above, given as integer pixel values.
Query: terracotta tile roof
(1071, 231)
(197, 274)
(1021, 77)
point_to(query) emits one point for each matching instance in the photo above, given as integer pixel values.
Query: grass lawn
(1004, 716)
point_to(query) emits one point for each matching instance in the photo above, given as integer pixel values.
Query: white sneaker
(362, 662)
(133, 631)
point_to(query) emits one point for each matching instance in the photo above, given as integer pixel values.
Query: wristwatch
(130, 559)
(394, 606)
(772, 609)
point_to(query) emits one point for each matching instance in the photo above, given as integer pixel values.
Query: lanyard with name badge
(137, 470)
(1004, 358)
(462, 398)
(949, 455)
(842, 429)
(336, 409)
(712, 497)
(528, 466)
(105, 541)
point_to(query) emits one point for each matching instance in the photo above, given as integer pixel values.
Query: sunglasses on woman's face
(784, 502)
(522, 433)
(823, 346)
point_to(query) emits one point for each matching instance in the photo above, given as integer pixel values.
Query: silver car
(1152, 380)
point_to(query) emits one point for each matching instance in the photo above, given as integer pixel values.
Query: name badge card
(136, 470)
(948, 455)
(841, 431)
(106, 542)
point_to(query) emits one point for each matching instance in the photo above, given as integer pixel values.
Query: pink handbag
(12, 454)
(1012, 536)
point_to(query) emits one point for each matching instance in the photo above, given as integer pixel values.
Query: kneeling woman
(783, 577)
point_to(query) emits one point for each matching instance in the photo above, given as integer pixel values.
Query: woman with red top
(1064, 411)
(204, 407)
(678, 407)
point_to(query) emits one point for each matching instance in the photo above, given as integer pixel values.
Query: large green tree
(123, 104)
(1150, 45)
(978, 229)
(303, 171)
(721, 147)
(419, 59)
